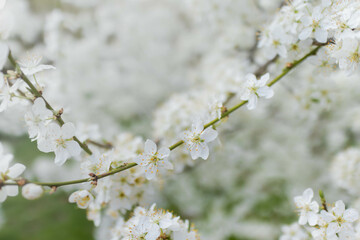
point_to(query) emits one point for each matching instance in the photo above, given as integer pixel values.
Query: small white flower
(37, 118)
(339, 219)
(316, 23)
(82, 198)
(32, 191)
(254, 89)
(54, 138)
(152, 159)
(196, 140)
(30, 64)
(308, 209)
(8, 173)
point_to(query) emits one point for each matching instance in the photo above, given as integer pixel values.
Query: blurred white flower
(308, 209)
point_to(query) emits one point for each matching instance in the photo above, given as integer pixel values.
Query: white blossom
(152, 159)
(30, 64)
(339, 219)
(196, 140)
(254, 89)
(54, 138)
(308, 209)
(37, 118)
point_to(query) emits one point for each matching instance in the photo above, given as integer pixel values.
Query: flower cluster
(300, 22)
(153, 224)
(332, 222)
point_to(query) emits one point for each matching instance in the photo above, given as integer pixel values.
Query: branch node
(53, 189)
(21, 182)
(94, 178)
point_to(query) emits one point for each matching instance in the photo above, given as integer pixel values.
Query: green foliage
(50, 217)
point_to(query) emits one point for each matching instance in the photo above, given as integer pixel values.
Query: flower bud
(32, 191)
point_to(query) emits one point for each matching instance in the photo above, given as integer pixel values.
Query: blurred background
(137, 66)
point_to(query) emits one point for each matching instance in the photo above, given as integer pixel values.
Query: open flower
(152, 159)
(339, 219)
(196, 140)
(254, 89)
(59, 140)
(308, 209)
(30, 64)
(37, 118)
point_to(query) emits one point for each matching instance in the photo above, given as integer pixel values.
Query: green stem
(284, 72)
(38, 94)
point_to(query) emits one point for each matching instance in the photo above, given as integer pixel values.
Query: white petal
(194, 151)
(305, 33)
(46, 146)
(68, 130)
(252, 102)
(166, 164)
(339, 208)
(141, 160)
(351, 215)
(73, 148)
(321, 35)
(150, 147)
(150, 172)
(312, 218)
(209, 135)
(16, 170)
(73, 197)
(308, 195)
(197, 126)
(251, 77)
(3, 195)
(332, 228)
(302, 218)
(263, 80)
(204, 151)
(163, 152)
(266, 92)
(61, 155)
(12, 190)
(153, 233)
(314, 206)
